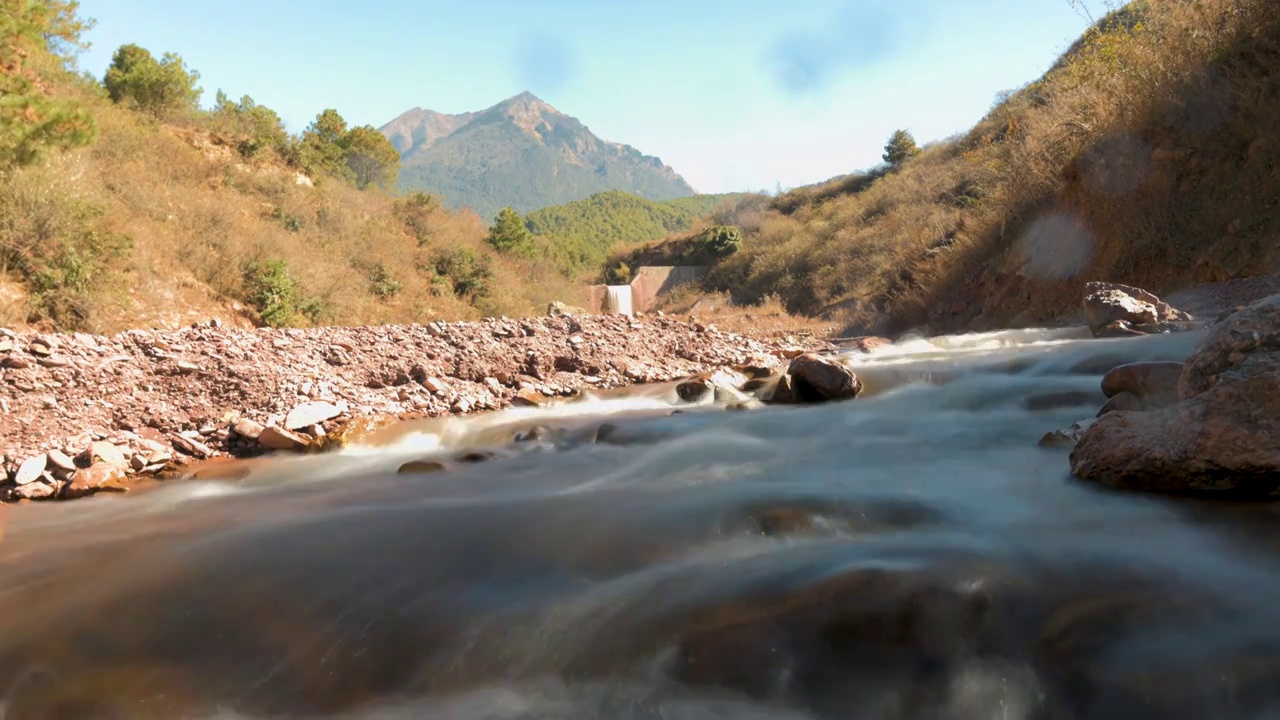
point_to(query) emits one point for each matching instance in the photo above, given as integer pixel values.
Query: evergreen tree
(900, 148)
(32, 122)
(320, 149)
(509, 234)
(165, 88)
(370, 157)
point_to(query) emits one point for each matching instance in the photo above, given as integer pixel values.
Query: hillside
(581, 234)
(166, 219)
(520, 153)
(1149, 155)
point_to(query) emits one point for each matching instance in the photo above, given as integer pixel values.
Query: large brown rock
(1111, 305)
(278, 438)
(1222, 437)
(1231, 351)
(1221, 441)
(824, 376)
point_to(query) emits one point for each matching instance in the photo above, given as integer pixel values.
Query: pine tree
(370, 157)
(900, 148)
(32, 121)
(165, 88)
(320, 149)
(509, 234)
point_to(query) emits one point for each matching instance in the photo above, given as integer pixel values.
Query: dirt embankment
(82, 413)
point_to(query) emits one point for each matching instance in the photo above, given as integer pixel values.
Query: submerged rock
(1222, 437)
(1067, 437)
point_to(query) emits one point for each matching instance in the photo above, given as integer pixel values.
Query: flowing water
(912, 554)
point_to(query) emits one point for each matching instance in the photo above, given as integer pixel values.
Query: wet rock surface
(1221, 438)
(166, 399)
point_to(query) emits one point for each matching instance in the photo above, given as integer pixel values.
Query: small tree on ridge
(900, 148)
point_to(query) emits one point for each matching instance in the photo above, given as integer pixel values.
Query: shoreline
(83, 414)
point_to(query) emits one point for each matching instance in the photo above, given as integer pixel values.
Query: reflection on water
(912, 554)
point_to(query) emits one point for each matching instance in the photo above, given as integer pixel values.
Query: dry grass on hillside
(1149, 156)
(145, 229)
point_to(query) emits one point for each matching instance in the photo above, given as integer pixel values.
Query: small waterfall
(618, 301)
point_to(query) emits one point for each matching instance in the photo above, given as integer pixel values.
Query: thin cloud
(544, 62)
(806, 62)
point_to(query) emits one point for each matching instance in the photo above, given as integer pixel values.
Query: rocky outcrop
(1114, 310)
(1220, 438)
(165, 400)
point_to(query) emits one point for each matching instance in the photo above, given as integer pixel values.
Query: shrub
(55, 244)
(468, 274)
(275, 294)
(416, 211)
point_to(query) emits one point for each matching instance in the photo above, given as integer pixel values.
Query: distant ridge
(521, 153)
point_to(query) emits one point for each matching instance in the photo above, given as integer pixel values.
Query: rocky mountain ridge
(522, 153)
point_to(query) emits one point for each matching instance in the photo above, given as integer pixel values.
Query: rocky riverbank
(83, 414)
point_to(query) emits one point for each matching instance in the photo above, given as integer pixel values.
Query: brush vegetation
(1147, 155)
(124, 204)
(579, 235)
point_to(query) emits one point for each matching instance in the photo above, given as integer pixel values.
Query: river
(911, 554)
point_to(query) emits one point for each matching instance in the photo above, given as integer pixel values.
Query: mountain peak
(522, 153)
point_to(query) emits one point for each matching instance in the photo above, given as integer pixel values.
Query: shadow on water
(912, 554)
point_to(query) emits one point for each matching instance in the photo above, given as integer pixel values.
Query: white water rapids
(910, 554)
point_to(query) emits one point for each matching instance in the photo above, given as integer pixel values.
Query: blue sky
(734, 94)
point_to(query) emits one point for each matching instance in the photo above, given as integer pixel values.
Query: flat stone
(30, 470)
(435, 385)
(191, 446)
(33, 491)
(312, 413)
(61, 460)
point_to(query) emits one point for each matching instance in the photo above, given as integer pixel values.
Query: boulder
(1221, 438)
(103, 452)
(312, 413)
(782, 393)
(1221, 441)
(246, 428)
(1113, 310)
(1123, 402)
(1256, 329)
(1144, 379)
(278, 438)
(528, 397)
(93, 479)
(824, 376)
